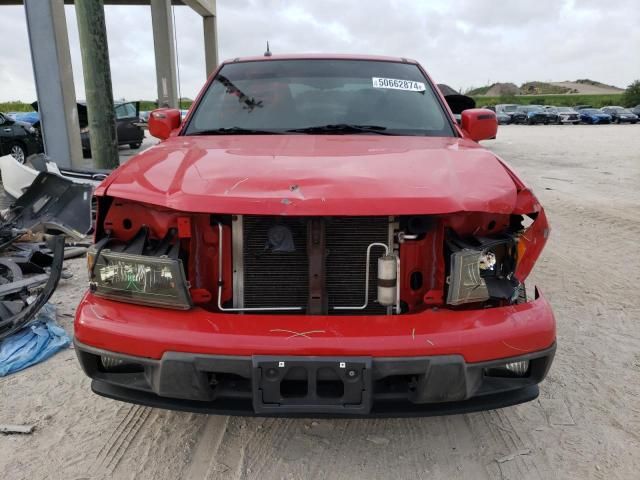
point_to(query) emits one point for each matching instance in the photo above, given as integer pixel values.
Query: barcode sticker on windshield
(396, 84)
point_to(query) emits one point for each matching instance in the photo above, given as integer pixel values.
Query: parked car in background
(593, 116)
(503, 118)
(128, 130)
(18, 139)
(32, 118)
(567, 115)
(532, 115)
(620, 114)
(506, 109)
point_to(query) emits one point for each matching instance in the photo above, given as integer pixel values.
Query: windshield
(591, 110)
(566, 110)
(320, 96)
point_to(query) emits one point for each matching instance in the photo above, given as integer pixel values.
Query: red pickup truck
(319, 236)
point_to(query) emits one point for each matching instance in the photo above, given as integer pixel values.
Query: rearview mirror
(163, 121)
(479, 123)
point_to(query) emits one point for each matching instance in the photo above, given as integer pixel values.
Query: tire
(17, 151)
(135, 145)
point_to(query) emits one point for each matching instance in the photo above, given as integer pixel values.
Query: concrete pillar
(210, 43)
(164, 47)
(97, 83)
(52, 71)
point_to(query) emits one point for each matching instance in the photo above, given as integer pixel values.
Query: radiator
(273, 278)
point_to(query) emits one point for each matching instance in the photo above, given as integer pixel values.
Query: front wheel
(18, 152)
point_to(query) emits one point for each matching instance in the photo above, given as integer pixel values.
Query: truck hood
(316, 175)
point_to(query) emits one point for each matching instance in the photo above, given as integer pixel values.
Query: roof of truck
(320, 56)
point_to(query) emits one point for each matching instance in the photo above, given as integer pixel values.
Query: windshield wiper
(342, 128)
(234, 131)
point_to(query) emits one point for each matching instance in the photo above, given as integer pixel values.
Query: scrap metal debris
(50, 203)
(31, 258)
(21, 298)
(9, 429)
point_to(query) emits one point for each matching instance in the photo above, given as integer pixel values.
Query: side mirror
(479, 124)
(163, 121)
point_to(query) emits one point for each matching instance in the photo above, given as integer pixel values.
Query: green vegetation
(15, 106)
(631, 96)
(145, 105)
(569, 100)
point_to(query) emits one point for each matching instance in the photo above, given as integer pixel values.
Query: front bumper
(427, 363)
(566, 119)
(312, 386)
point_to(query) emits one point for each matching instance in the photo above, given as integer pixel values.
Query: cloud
(462, 43)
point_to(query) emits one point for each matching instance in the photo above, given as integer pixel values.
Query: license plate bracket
(325, 385)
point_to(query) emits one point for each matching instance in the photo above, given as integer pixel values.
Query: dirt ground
(586, 423)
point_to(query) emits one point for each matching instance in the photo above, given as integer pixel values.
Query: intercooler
(272, 273)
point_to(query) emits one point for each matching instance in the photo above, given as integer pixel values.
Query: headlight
(154, 281)
(480, 272)
(465, 283)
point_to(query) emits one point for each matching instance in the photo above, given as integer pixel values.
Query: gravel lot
(586, 423)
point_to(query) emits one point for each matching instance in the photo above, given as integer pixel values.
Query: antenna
(268, 52)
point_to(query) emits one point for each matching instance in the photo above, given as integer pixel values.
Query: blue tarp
(35, 342)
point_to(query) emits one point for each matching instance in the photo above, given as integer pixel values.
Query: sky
(463, 43)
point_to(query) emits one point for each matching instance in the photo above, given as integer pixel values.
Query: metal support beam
(97, 83)
(204, 8)
(164, 47)
(52, 71)
(210, 43)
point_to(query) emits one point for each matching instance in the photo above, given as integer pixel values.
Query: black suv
(128, 125)
(620, 115)
(18, 139)
(129, 131)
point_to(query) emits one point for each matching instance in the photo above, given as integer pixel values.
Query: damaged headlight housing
(482, 269)
(153, 281)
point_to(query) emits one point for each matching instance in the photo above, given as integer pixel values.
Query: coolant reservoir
(387, 279)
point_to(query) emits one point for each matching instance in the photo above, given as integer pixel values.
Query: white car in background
(567, 115)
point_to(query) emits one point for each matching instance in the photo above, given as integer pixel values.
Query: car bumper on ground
(435, 362)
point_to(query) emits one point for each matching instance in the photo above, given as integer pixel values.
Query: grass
(16, 106)
(570, 100)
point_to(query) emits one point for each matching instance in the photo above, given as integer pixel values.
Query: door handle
(7, 130)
